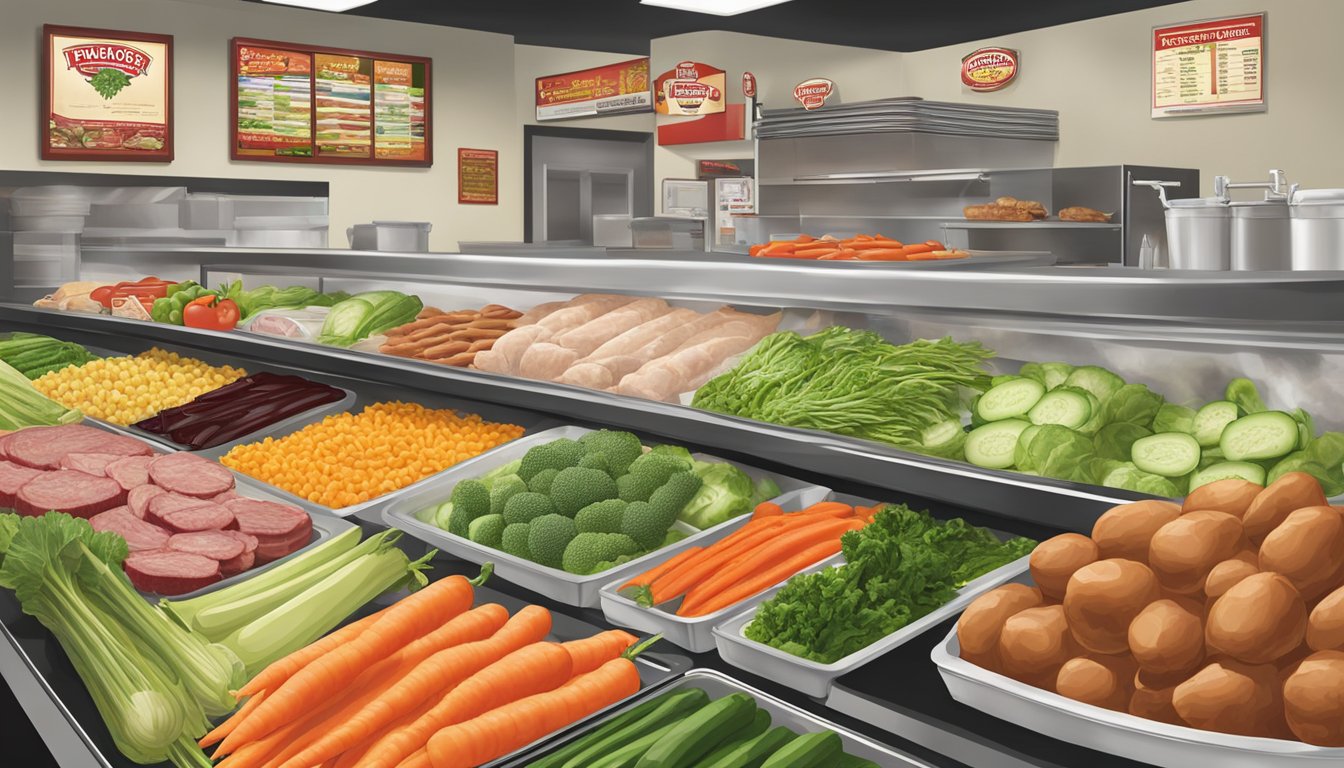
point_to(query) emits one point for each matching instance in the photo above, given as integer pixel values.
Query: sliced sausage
(130, 472)
(139, 535)
(93, 463)
(137, 500)
(171, 573)
(190, 475)
(44, 447)
(270, 520)
(216, 545)
(205, 517)
(12, 478)
(76, 493)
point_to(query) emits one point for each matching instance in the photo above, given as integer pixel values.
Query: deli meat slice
(137, 500)
(44, 447)
(4, 439)
(164, 503)
(130, 472)
(190, 475)
(216, 545)
(93, 463)
(269, 520)
(170, 572)
(203, 517)
(246, 559)
(12, 478)
(76, 493)
(140, 536)
(274, 549)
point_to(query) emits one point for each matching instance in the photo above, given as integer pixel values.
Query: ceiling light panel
(715, 7)
(335, 6)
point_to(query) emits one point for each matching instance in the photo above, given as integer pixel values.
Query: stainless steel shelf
(979, 224)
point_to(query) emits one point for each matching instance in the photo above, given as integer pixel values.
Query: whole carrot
(834, 508)
(677, 582)
(503, 730)
(765, 578)
(279, 671)
(354, 755)
(766, 509)
(401, 624)
(691, 560)
(226, 727)
(589, 653)
(663, 567)
(886, 254)
(434, 673)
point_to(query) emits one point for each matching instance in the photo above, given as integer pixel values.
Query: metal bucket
(1317, 229)
(1199, 234)
(399, 236)
(1261, 236)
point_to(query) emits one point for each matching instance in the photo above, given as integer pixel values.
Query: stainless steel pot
(1199, 233)
(400, 236)
(1261, 236)
(1317, 228)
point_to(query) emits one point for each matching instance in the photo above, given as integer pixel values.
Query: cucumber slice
(944, 438)
(993, 445)
(1095, 379)
(1010, 399)
(1264, 435)
(1170, 454)
(1241, 470)
(1066, 406)
(1210, 421)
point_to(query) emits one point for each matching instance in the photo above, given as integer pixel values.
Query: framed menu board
(478, 176)
(308, 104)
(107, 95)
(1208, 67)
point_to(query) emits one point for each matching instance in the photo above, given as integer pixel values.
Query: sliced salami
(93, 463)
(12, 478)
(170, 572)
(44, 447)
(190, 475)
(270, 520)
(269, 550)
(76, 493)
(216, 545)
(140, 536)
(165, 503)
(205, 517)
(130, 472)
(137, 500)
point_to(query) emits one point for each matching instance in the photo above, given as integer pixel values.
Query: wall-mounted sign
(748, 85)
(1207, 67)
(301, 103)
(610, 90)
(989, 69)
(107, 95)
(691, 88)
(478, 176)
(709, 169)
(812, 94)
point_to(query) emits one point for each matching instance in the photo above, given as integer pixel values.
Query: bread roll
(1103, 598)
(1054, 561)
(1325, 625)
(980, 624)
(1034, 644)
(1183, 551)
(1230, 697)
(1257, 621)
(1289, 493)
(1312, 699)
(1307, 548)
(1167, 639)
(1231, 495)
(1126, 531)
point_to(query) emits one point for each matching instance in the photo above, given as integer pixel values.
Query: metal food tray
(813, 678)
(409, 511)
(1115, 733)
(291, 424)
(718, 685)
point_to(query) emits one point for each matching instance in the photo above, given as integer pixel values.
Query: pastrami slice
(75, 493)
(130, 471)
(190, 475)
(170, 572)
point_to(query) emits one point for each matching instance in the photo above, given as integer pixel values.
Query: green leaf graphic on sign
(108, 82)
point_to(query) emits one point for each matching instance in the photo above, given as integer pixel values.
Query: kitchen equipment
(1261, 236)
(1317, 228)
(1199, 233)
(1214, 233)
(397, 236)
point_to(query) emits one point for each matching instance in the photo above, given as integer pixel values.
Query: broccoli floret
(577, 487)
(547, 538)
(586, 550)
(622, 560)
(597, 460)
(646, 524)
(600, 517)
(672, 496)
(636, 486)
(527, 506)
(505, 488)
(470, 500)
(620, 448)
(541, 482)
(487, 530)
(557, 454)
(514, 541)
(659, 466)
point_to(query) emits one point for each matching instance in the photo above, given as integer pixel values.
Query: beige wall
(533, 61)
(1096, 73)
(473, 105)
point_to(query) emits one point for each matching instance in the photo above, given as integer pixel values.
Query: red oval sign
(812, 94)
(748, 85)
(989, 69)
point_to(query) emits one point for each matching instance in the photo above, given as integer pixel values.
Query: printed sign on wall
(611, 90)
(108, 95)
(989, 69)
(691, 88)
(812, 94)
(478, 176)
(1209, 66)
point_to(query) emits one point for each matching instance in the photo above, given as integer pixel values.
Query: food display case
(1182, 335)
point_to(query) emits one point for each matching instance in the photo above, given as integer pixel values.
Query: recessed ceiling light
(335, 6)
(716, 7)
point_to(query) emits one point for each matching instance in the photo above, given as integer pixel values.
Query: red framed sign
(478, 176)
(309, 104)
(614, 89)
(989, 69)
(107, 95)
(1211, 66)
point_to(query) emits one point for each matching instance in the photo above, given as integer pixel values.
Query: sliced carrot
(888, 254)
(766, 578)
(658, 570)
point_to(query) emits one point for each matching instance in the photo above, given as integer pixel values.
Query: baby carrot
(755, 250)
(589, 653)
(503, 730)
(919, 248)
(778, 249)
(674, 584)
(887, 254)
(661, 568)
(694, 561)
(766, 509)
(405, 621)
(279, 671)
(875, 245)
(836, 508)
(804, 238)
(766, 578)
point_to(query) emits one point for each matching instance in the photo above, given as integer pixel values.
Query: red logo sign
(748, 85)
(690, 90)
(812, 94)
(90, 58)
(989, 69)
